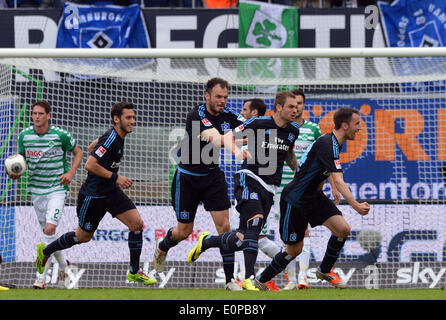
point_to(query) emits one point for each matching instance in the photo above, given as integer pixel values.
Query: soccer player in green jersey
(309, 132)
(44, 147)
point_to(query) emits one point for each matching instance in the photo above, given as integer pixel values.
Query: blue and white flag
(416, 23)
(104, 26)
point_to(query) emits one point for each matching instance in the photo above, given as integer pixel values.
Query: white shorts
(49, 207)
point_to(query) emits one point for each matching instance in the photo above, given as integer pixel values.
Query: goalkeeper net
(397, 162)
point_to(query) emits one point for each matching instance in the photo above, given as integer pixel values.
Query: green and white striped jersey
(308, 133)
(46, 158)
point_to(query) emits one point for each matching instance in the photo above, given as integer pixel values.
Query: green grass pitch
(220, 294)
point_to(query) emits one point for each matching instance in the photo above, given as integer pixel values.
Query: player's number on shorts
(56, 214)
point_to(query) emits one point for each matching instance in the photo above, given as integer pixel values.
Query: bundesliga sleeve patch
(101, 151)
(337, 164)
(239, 128)
(206, 122)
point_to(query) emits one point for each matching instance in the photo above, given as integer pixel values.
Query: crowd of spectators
(187, 3)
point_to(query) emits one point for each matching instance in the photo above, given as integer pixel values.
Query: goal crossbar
(223, 53)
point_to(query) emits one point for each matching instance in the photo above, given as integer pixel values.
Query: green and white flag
(264, 25)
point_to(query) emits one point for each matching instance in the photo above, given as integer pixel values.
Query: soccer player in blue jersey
(271, 140)
(302, 201)
(198, 177)
(102, 192)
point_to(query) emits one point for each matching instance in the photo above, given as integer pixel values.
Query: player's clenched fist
(124, 182)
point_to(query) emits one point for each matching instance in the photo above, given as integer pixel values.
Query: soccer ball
(15, 164)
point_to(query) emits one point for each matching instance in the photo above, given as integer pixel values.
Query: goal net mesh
(397, 163)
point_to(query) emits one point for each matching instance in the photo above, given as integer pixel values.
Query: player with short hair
(44, 147)
(200, 179)
(253, 108)
(256, 182)
(102, 192)
(302, 201)
(309, 132)
(257, 108)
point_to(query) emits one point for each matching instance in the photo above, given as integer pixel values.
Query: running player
(198, 178)
(44, 147)
(302, 201)
(102, 192)
(272, 138)
(309, 132)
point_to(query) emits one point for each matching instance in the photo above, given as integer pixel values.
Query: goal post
(397, 163)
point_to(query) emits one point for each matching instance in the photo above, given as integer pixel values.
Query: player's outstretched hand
(243, 155)
(363, 208)
(124, 182)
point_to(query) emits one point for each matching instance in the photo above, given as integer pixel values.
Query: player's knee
(83, 237)
(182, 233)
(344, 231)
(136, 226)
(255, 224)
(224, 227)
(294, 250)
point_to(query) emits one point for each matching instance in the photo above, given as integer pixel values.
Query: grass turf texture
(220, 294)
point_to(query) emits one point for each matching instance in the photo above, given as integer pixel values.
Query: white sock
(268, 247)
(291, 271)
(304, 257)
(45, 270)
(58, 254)
(241, 260)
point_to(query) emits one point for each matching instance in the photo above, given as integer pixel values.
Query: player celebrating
(199, 179)
(44, 148)
(309, 132)
(256, 183)
(101, 192)
(302, 201)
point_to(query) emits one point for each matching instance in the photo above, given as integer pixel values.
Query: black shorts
(252, 198)
(189, 189)
(91, 209)
(294, 220)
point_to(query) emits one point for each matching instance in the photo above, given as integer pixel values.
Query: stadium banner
(204, 28)
(103, 26)
(207, 28)
(180, 274)
(414, 23)
(392, 232)
(266, 25)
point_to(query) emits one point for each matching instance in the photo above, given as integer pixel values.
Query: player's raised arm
(227, 141)
(361, 207)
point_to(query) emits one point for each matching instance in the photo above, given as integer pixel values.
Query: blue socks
(65, 241)
(334, 248)
(135, 247)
